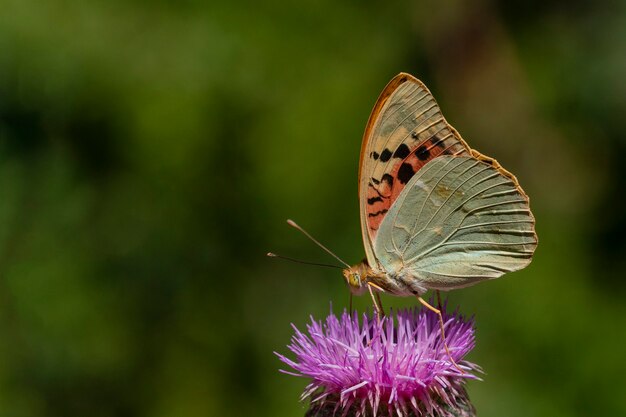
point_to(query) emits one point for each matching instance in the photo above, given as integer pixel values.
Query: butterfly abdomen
(403, 284)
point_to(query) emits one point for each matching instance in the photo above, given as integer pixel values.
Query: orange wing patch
(381, 193)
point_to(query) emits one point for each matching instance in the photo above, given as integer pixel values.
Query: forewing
(406, 130)
(459, 220)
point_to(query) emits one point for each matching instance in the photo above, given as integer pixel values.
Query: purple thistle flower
(393, 366)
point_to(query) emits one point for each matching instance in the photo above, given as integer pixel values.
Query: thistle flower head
(396, 365)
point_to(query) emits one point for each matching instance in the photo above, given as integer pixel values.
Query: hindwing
(458, 221)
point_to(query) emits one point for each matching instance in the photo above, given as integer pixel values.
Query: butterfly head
(356, 277)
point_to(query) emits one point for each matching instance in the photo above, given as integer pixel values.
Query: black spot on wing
(402, 152)
(422, 153)
(414, 135)
(375, 181)
(405, 173)
(385, 156)
(374, 155)
(373, 200)
(388, 179)
(378, 213)
(439, 142)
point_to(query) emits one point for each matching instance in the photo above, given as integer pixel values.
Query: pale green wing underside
(458, 221)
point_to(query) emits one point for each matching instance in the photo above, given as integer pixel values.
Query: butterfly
(435, 213)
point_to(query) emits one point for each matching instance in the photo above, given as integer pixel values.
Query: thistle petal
(396, 365)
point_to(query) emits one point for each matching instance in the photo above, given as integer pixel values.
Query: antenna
(294, 225)
(273, 255)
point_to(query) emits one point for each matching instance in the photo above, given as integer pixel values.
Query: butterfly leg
(380, 302)
(378, 307)
(439, 305)
(443, 334)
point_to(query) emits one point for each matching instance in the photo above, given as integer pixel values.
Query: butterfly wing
(458, 221)
(405, 130)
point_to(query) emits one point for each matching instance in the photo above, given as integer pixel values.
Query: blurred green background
(150, 153)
